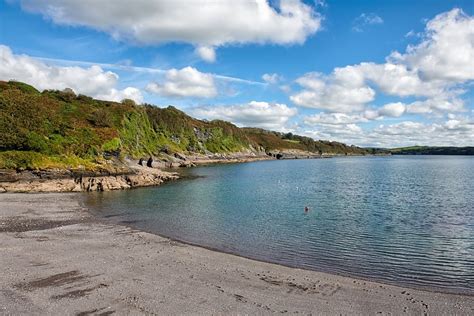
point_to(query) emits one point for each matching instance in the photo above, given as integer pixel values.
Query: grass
(30, 160)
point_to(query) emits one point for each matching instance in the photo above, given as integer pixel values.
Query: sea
(404, 220)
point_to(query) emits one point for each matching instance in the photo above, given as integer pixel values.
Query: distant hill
(59, 129)
(426, 150)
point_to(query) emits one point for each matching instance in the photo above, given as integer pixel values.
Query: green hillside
(58, 129)
(427, 150)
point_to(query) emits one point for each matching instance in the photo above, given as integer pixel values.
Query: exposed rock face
(136, 178)
(294, 154)
(180, 156)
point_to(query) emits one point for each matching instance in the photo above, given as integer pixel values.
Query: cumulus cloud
(186, 82)
(342, 91)
(448, 133)
(206, 53)
(432, 71)
(333, 119)
(118, 95)
(92, 81)
(198, 22)
(395, 109)
(447, 51)
(271, 78)
(398, 80)
(365, 19)
(272, 116)
(439, 104)
(456, 131)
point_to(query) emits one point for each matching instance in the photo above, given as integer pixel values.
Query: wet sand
(58, 259)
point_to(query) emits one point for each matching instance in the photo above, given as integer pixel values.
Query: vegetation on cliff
(59, 129)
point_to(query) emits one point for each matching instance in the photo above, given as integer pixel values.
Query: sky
(368, 73)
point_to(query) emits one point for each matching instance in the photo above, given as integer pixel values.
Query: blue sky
(323, 69)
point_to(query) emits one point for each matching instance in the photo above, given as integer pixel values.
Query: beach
(57, 258)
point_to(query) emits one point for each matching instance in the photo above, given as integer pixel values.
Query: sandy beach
(57, 259)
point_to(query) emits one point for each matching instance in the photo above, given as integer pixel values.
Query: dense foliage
(61, 129)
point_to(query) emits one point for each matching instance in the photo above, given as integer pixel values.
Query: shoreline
(434, 290)
(135, 176)
(52, 181)
(357, 278)
(59, 258)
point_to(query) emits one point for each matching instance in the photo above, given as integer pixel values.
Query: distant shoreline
(428, 150)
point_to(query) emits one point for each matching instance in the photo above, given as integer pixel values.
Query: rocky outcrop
(30, 182)
(236, 157)
(297, 154)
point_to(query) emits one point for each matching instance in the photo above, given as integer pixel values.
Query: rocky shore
(73, 181)
(127, 175)
(57, 259)
(130, 174)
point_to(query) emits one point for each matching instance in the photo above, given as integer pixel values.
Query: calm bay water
(406, 220)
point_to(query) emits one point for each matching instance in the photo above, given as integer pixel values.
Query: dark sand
(57, 259)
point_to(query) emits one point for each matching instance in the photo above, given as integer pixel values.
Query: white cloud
(434, 72)
(333, 119)
(398, 80)
(186, 82)
(361, 22)
(118, 95)
(458, 131)
(92, 81)
(447, 50)
(272, 116)
(199, 22)
(449, 133)
(271, 78)
(206, 53)
(285, 88)
(395, 109)
(347, 133)
(342, 91)
(436, 105)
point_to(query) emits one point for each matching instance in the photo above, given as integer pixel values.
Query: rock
(139, 178)
(8, 175)
(149, 163)
(180, 156)
(187, 164)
